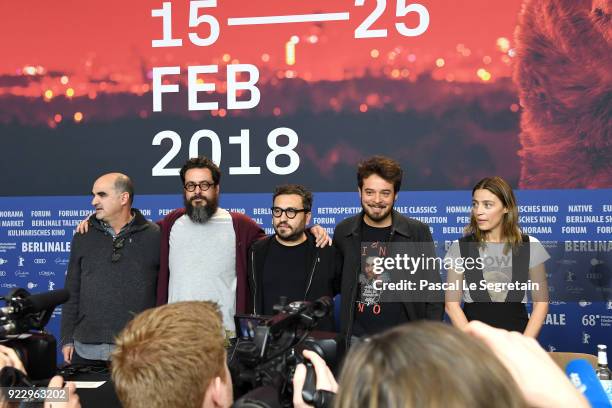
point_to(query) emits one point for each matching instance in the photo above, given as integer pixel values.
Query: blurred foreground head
(173, 356)
(425, 364)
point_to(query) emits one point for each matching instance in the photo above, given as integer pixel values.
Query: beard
(290, 234)
(200, 214)
(376, 216)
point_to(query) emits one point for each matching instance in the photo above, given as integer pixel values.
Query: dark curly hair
(382, 166)
(296, 189)
(201, 163)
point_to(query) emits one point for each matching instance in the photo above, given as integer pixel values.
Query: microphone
(45, 301)
(582, 375)
(35, 303)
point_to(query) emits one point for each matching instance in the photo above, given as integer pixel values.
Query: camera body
(268, 349)
(37, 352)
(22, 323)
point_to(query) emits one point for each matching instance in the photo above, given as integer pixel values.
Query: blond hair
(167, 356)
(425, 364)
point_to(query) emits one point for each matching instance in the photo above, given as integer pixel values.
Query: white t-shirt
(202, 263)
(498, 266)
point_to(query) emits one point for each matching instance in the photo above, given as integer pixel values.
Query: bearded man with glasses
(112, 272)
(204, 247)
(289, 263)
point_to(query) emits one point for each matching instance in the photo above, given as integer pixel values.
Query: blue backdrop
(35, 237)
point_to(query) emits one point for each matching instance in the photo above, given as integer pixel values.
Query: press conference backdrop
(279, 91)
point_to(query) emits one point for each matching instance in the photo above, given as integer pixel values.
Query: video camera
(268, 349)
(22, 323)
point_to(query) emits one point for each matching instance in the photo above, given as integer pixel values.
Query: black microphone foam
(45, 301)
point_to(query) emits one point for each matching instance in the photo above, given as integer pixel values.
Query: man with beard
(112, 272)
(288, 263)
(204, 247)
(379, 180)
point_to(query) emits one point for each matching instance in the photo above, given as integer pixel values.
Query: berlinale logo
(585, 338)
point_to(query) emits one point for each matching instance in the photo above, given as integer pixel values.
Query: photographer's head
(425, 364)
(173, 356)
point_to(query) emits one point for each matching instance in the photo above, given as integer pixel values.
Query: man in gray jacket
(112, 274)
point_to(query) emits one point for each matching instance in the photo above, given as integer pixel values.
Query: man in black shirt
(369, 233)
(288, 263)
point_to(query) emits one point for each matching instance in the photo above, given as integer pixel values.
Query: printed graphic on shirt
(370, 281)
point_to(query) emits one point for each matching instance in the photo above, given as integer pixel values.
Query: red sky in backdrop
(114, 37)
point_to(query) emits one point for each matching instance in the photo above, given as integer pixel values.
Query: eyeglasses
(117, 245)
(277, 212)
(204, 185)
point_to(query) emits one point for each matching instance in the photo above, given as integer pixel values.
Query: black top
(320, 276)
(348, 241)
(375, 234)
(372, 316)
(509, 315)
(284, 274)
